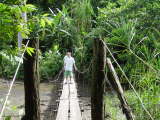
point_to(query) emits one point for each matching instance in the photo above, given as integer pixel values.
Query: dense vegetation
(130, 29)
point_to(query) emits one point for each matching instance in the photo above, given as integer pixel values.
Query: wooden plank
(69, 108)
(63, 105)
(74, 103)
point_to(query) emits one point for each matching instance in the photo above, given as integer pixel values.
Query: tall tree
(98, 75)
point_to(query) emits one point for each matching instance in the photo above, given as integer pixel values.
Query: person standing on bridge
(69, 64)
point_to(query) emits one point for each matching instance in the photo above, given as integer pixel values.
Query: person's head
(68, 54)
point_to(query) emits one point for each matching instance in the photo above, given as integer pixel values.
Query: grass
(112, 106)
(150, 99)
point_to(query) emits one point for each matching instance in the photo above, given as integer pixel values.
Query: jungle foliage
(129, 27)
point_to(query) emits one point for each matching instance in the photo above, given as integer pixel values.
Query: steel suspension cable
(13, 80)
(128, 81)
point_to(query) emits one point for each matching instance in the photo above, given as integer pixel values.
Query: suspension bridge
(68, 103)
(62, 104)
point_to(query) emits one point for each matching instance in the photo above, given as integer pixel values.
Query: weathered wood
(98, 77)
(69, 108)
(98, 74)
(118, 88)
(31, 83)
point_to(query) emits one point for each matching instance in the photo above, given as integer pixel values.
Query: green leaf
(45, 15)
(30, 50)
(55, 47)
(14, 108)
(8, 118)
(30, 7)
(42, 23)
(48, 21)
(65, 32)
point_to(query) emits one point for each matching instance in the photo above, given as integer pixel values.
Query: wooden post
(118, 88)
(98, 77)
(98, 70)
(31, 83)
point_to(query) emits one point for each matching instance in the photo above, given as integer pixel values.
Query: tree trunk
(31, 83)
(98, 76)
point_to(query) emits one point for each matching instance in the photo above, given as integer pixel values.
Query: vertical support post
(98, 77)
(31, 83)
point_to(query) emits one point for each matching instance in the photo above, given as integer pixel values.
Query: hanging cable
(87, 69)
(128, 81)
(13, 80)
(58, 76)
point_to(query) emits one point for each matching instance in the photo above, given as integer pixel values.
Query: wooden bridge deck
(69, 108)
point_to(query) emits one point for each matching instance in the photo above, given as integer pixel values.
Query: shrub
(50, 64)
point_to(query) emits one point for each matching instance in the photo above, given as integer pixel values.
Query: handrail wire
(128, 81)
(12, 83)
(58, 76)
(87, 69)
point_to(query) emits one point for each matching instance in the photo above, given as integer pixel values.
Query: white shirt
(69, 62)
